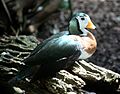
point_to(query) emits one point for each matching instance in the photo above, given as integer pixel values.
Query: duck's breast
(88, 45)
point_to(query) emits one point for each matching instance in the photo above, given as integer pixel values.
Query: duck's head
(79, 24)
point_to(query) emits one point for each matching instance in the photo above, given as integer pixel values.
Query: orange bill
(90, 25)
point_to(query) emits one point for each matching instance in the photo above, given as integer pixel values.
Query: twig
(7, 11)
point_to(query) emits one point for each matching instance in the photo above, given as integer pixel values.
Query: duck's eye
(82, 18)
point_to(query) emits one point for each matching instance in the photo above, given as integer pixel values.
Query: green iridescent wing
(39, 46)
(53, 50)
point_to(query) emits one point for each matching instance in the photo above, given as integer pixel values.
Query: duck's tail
(25, 72)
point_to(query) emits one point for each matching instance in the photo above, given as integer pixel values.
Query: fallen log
(82, 78)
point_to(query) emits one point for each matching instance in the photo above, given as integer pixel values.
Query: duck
(60, 51)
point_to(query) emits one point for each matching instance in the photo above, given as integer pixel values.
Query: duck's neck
(85, 32)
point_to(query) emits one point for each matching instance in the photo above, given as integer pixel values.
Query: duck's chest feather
(88, 44)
